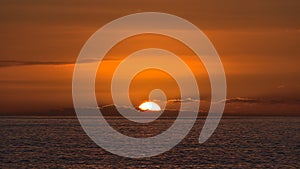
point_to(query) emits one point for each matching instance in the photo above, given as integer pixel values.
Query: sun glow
(149, 106)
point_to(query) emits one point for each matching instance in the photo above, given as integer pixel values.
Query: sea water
(238, 142)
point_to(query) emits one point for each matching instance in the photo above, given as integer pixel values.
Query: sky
(257, 42)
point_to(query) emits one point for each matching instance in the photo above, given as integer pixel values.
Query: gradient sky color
(258, 43)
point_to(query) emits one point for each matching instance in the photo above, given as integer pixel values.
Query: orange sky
(258, 43)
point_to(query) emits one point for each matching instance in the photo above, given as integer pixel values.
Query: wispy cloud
(183, 100)
(262, 100)
(242, 100)
(10, 63)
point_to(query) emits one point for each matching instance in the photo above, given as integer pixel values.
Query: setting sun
(149, 106)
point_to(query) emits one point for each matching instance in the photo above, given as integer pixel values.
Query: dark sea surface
(238, 142)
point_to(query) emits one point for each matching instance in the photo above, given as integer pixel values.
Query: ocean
(238, 142)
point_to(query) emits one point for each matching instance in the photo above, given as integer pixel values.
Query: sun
(149, 106)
